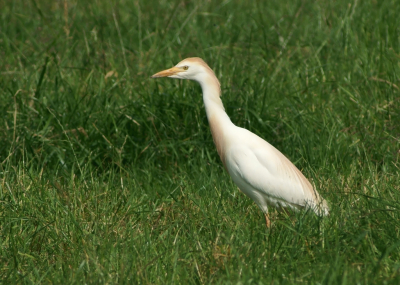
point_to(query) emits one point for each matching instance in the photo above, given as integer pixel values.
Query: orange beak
(168, 72)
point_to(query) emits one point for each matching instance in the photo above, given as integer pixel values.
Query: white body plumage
(259, 170)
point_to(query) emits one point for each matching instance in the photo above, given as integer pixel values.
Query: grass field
(110, 177)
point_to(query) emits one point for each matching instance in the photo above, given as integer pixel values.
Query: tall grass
(110, 177)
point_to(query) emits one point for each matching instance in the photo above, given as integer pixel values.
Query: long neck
(216, 115)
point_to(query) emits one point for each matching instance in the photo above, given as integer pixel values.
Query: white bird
(260, 171)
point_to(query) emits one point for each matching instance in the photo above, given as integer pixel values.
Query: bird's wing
(268, 171)
(268, 176)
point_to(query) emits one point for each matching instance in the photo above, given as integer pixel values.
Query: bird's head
(193, 68)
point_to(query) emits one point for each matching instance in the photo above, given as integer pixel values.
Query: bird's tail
(322, 208)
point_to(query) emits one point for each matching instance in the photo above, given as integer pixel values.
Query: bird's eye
(185, 67)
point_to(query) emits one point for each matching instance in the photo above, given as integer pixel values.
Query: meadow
(110, 177)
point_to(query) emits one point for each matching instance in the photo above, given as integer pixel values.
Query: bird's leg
(285, 212)
(267, 221)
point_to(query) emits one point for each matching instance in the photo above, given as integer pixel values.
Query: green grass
(107, 176)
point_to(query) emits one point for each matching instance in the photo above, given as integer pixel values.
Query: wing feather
(260, 169)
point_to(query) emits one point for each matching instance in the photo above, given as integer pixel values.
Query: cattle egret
(260, 171)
